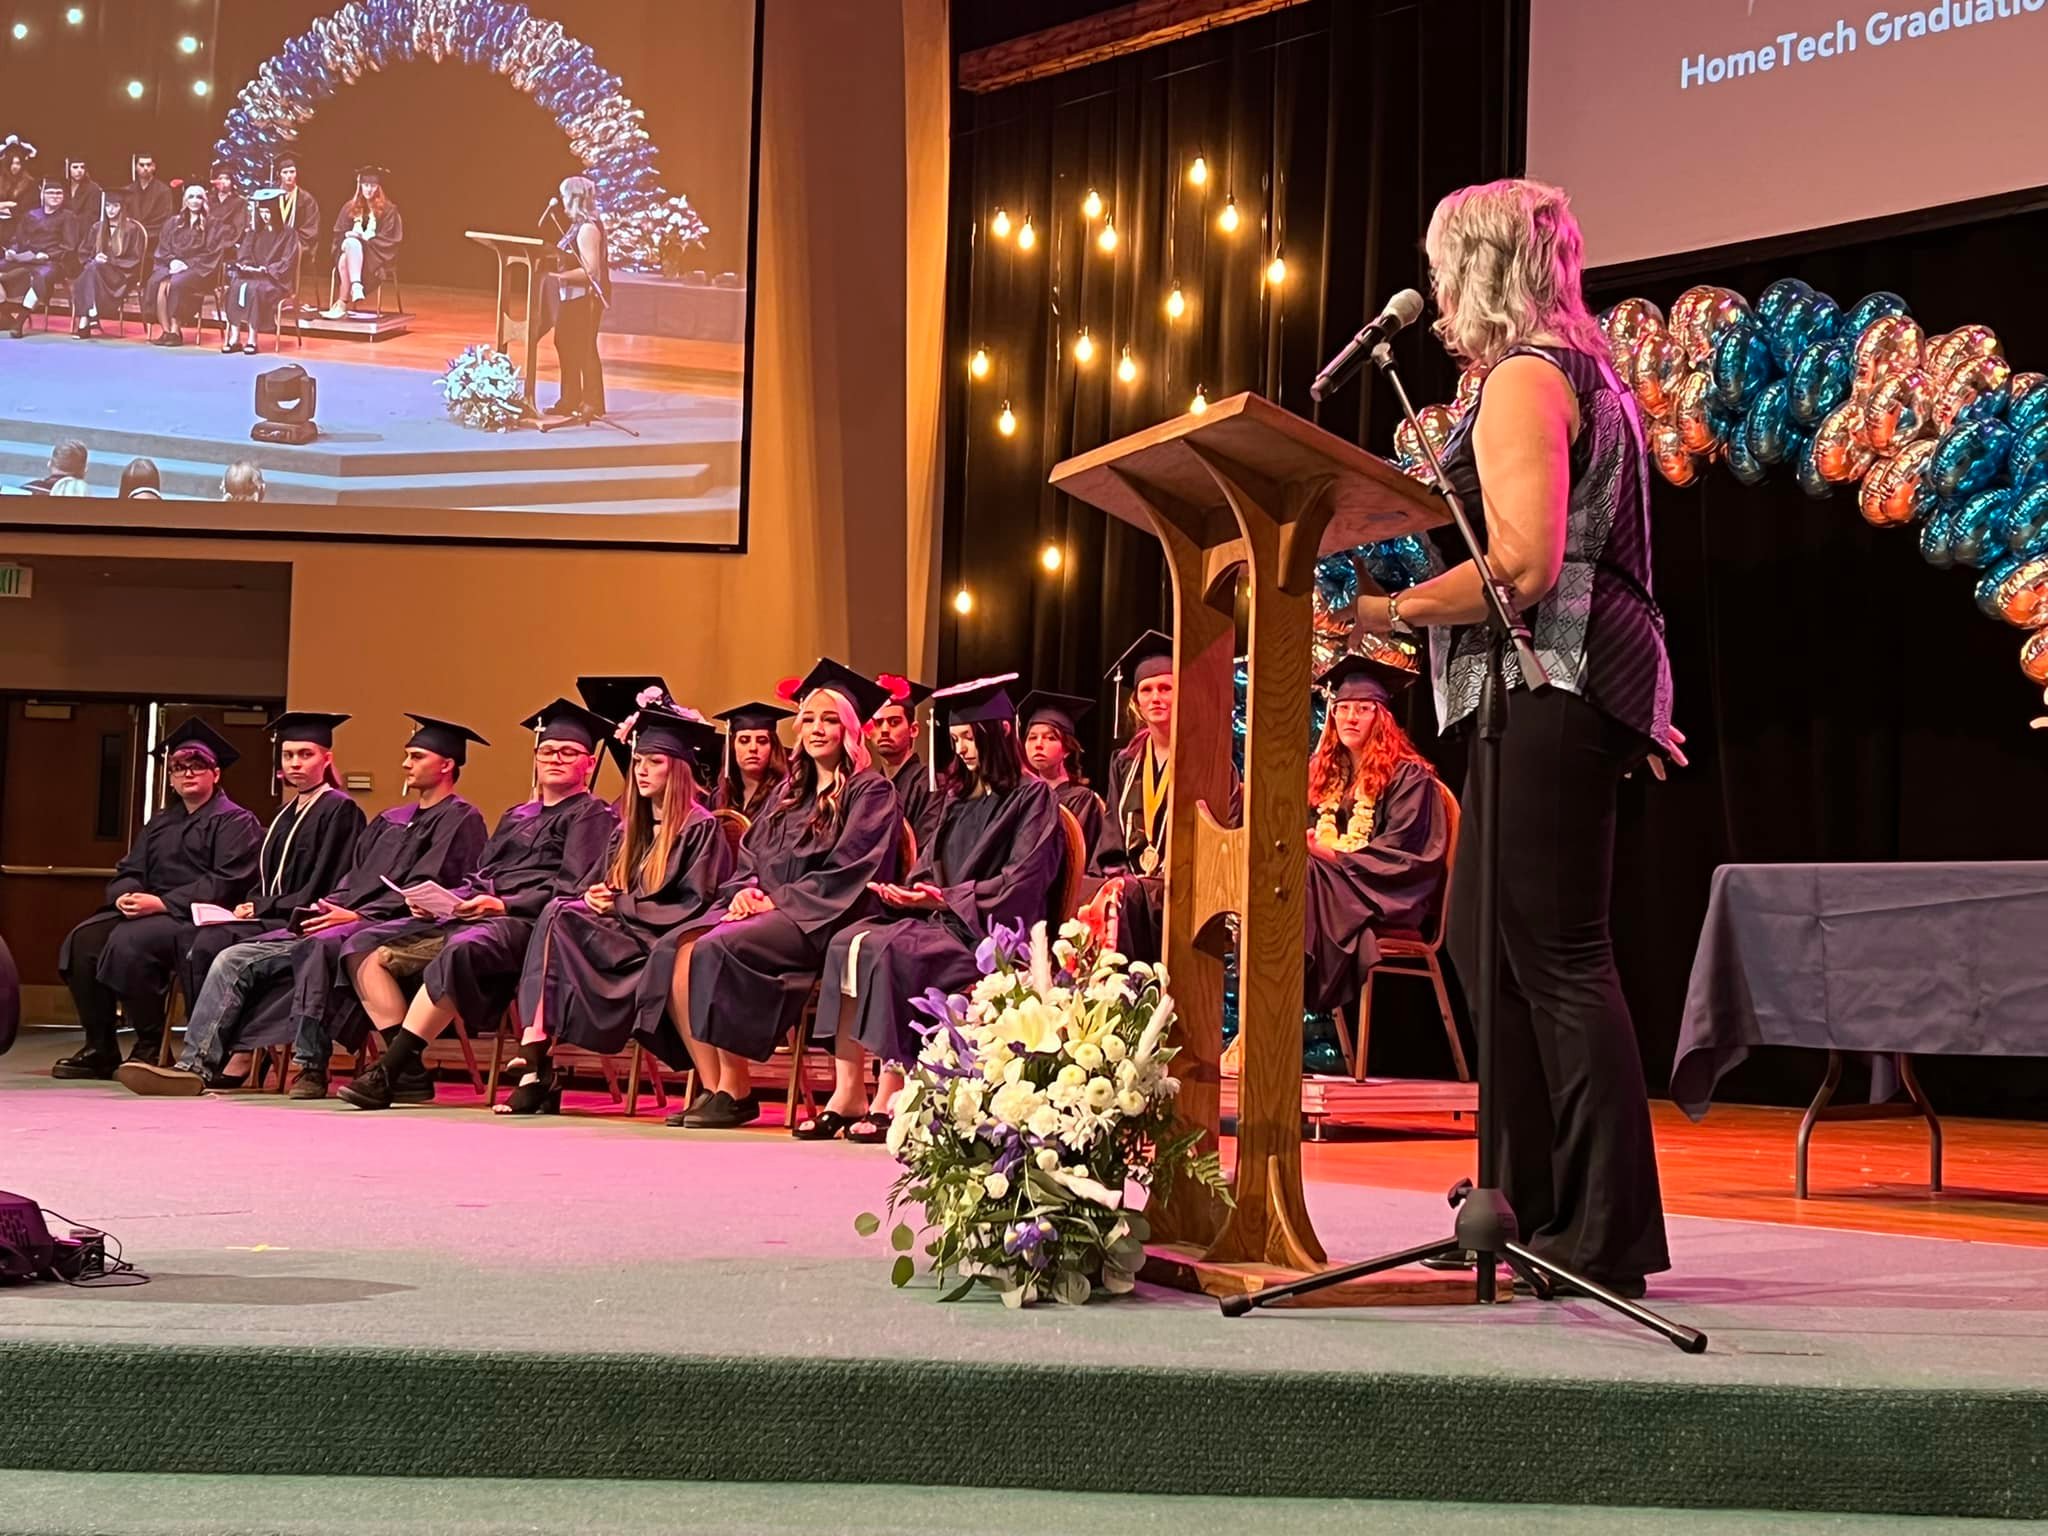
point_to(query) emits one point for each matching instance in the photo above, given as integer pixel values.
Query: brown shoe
(154, 1082)
(311, 1083)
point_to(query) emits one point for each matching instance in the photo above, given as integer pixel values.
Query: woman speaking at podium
(1553, 451)
(583, 287)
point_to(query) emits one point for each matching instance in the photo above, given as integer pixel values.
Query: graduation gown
(1392, 884)
(750, 979)
(101, 285)
(150, 206)
(183, 857)
(303, 853)
(1131, 847)
(922, 804)
(299, 211)
(537, 853)
(198, 245)
(997, 859)
(753, 810)
(1087, 808)
(588, 976)
(260, 275)
(41, 242)
(380, 246)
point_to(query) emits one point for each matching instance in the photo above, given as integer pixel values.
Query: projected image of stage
(493, 263)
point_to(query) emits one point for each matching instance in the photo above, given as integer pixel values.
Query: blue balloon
(2027, 461)
(1810, 478)
(1740, 365)
(1858, 317)
(1805, 320)
(1337, 582)
(2030, 410)
(1743, 463)
(1934, 536)
(1989, 583)
(1981, 528)
(1821, 380)
(1727, 423)
(2027, 522)
(1987, 405)
(1968, 458)
(1771, 303)
(1768, 426)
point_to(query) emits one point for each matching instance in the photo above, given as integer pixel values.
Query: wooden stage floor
(1867, 1176)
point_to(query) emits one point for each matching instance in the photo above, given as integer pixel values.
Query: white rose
(1130, 1101)
(1088, 1055)
(1071, 1075)
(1044, 1121)
(1101, 1094)
(899, 1132)
(1047, 1160)
(1015, 1103)
(1074, 929)
(997, 1185)
(1114, 1048)
(1126, 1073)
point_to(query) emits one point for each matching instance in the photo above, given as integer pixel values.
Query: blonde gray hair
(1506, 261)
(579, 197)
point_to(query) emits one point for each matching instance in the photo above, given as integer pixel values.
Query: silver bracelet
(1395, 623)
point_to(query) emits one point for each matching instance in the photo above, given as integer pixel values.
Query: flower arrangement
(1038, 1100)
(484, 389)
(653, 238)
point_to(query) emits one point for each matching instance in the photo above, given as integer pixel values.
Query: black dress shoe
(86, 1067)
(1564, 1290)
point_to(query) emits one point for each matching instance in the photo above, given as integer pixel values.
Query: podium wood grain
(1245, 489)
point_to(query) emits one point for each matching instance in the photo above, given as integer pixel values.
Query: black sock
(402, 1050)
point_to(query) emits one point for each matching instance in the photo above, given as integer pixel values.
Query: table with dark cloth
(1896, 960)
(646, 305)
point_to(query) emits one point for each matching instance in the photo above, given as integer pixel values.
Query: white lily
(1080, 1184)
(1148, 1043)
(1041, 961)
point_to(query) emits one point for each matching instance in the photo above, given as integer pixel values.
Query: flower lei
(1357, 832)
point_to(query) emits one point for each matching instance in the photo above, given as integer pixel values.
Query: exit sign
(17, 580)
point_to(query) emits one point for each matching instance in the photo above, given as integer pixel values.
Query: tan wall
(485, 635)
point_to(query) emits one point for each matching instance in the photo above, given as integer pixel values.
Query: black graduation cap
(615, 698)
(220, 168)
(677, 735)
(863, 692)
(195, 732)
(52, 184)
(1365, 677)
(566, 721)
(1150, 655)
(983, 699)
(910, 695)
(305, 725)
(1060, 709)
(753, 717)
(443, 736)
(376, 173)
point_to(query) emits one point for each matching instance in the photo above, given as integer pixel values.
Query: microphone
(1402, 311)
(548, 212)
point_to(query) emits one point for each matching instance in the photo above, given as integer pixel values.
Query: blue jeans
(232, 980)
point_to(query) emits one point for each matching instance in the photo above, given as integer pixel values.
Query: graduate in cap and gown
(229, 208)
(251, 986)
(596, 975)
(149, 200)
(81, 194)
(806, 869)
(1377, 832)
(110, 251)
(188, 261)
(33, 251)
(550, 846)
(260, 275)
(756, 762)
(298, 209)
(995, 858)
(19, 186)
(1052, 750)
(892, 734)
(200, 847)
(367, 234)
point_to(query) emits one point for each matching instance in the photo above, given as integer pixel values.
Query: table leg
(1920, 1101)
(1828, 1086)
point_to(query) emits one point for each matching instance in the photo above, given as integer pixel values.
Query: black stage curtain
(1843, 701)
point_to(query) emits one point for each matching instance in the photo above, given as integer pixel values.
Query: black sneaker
(85, 1067)
(371, 1088)
(415, 1085)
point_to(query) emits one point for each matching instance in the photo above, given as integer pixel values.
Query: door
(248, 780)
(71, 805)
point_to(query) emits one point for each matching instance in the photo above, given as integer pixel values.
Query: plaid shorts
(409, 956)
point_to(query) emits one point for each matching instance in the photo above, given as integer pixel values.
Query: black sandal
(542, 1096)
(827, 1124)
(868, 1130)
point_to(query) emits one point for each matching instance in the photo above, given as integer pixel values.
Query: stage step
(343, 1506)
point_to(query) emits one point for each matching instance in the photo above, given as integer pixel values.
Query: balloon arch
(587, 101)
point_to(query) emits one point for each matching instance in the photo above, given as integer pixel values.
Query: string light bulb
(1227, 220)
(1198, 173)
(1127, 367)
(1027, 237)
(963, 601)
(999, 226)
(1276, 270)
(1176, 303)
(76, 15)
(20, 30)
(135, 89)
(202, 88)
(1084, 347)
(1200, 403)
(188, 44)
(1007, 425)
(978, 365)
(1052, 557)
(1092, 204)
(1107, 239)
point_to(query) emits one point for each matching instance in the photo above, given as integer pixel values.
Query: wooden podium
(518, 314)
(1244, 486)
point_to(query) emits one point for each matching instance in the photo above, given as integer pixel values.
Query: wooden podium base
(1181, 1267)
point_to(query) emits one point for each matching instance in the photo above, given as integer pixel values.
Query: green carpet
(38, 1502)
(1233, 1434)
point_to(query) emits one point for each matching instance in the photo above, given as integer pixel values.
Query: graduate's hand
(1320, 850)
(245, 910)
(1672, 743)
(329, 916)
(177, 265)
(921, 897)
(412, 905)
(751, 901)
(139, 904)
(480, 906)
(599, 898)
(100, 259)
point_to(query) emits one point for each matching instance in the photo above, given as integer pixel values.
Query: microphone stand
(1485, 1223)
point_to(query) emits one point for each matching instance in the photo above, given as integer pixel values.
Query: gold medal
(1148, 861)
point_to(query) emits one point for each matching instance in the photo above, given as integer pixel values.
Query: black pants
(143, 1008)
(576, 347)
(1578, 1161)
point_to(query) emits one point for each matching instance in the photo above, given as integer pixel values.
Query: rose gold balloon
(1667, 448)
(1889, 344)
(1468, 389)
(1437, 425)
(1943, 358)
(1694, 430)
(1898, 410)
(1658, 370)
(2034, 656)
(1627, 323)
(1407, 443)
(2024, 384)
(1973, 379)
(1837, 452)
(2022, 597)
(1890, 490)
(1686, 313)
(1716, 315)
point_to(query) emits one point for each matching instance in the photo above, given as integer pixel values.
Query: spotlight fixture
(999, 226)
(1107, 239)
(1198, 173)
(20, 31)
(1276, 270)
(1027, 237)
(1176, 303)
(1127, 367)
(1084, 347)
(1052, 557)
(1006, 424)
(963, 601)
(1200, 403)
(1227, 220)
(202, 88)
(135, 89)
(978, 365)
(1092, 204)
(75, 16)
(188, 44)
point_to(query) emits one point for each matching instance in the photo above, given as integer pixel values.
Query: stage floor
(308, 1230)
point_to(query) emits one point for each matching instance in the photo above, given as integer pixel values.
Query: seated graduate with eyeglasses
(597, 976)
(995, 858)
(807, 868)
(275, 987)
(34, 251)
(468, 961)
(1378, 835)
(201, 847)
(1052, 750)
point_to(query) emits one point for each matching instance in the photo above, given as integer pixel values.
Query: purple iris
(1004, 942)
(1027, 1239)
